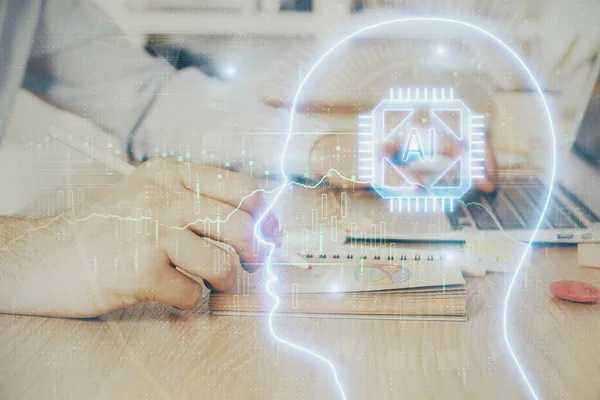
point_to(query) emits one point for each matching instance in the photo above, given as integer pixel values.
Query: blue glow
(257, 230)
(417, 142)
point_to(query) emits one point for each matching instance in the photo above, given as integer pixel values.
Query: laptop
(515, 207)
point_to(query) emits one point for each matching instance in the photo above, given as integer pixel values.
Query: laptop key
(458, 218)
(460, 211)
(526, 210)
(585, 210)
(556, 213)
(536, 192)
(557, 217)
(504, 213)
(578, 223)
(482, 218)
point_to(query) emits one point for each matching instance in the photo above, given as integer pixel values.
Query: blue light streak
(257, 230)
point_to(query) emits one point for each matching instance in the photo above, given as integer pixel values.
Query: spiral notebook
(369, 283)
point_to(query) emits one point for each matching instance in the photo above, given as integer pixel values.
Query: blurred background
(242, 38)
(262, 48)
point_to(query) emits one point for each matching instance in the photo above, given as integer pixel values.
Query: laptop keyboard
(579, 205)
(518, 205)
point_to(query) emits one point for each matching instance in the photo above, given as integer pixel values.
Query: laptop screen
(587, 141)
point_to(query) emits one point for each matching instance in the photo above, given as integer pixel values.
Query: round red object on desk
(579, 292)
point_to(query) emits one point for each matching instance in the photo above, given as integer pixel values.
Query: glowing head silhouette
(471, 134)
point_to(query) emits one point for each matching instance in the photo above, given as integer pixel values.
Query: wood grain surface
(156, 352)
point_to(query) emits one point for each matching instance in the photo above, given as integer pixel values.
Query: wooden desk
(156, 352)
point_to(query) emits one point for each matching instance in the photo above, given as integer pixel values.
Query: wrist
(29, 253)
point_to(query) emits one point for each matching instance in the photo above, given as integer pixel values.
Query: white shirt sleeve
(81, 62)
(207, 120)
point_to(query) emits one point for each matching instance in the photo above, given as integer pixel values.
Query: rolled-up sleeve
(206, 120)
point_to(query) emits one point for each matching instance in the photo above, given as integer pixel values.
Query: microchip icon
(428, 124)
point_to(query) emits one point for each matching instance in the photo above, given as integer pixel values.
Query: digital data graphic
(374, 181)
(335, 199)
(426, 123)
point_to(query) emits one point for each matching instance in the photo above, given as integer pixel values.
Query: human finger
(222, 222)
(389, 147)
(228, 188)
(406, 175)
(175, 289)
(202, 258)
(237, 190)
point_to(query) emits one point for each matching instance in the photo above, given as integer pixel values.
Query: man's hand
(151, 237)
(338, 152)
(450, 149)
